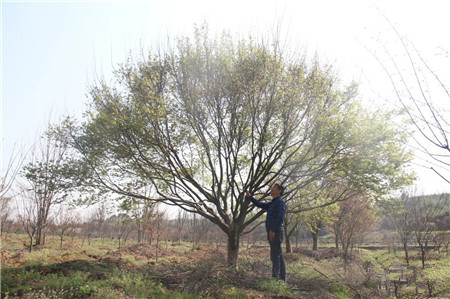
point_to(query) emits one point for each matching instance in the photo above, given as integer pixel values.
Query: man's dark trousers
(276, 255)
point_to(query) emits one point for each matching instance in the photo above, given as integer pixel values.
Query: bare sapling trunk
(336, 241)
(315, 239)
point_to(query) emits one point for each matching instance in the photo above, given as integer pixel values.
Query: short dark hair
(281, 188)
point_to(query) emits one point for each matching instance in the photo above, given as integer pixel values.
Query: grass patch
(81, 284)
(37, 258)
(276, 287)
(234, 293)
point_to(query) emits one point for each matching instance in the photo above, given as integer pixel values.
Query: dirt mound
(12, 260)
(430, 255)
(122, 256)
(141, 251)
(322, 253)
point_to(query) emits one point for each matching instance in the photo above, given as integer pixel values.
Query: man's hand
(271, 236)
(247, 193)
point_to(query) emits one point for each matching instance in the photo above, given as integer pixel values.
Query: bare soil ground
(12, 260)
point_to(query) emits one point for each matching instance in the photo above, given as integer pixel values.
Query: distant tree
(46, 179)
(64, 221)
(122, 227)
(8, 176)
(441, 238)
(157, 229)
(101, 214)
(141, 211)
(87, 228)
(319, 218)
(424, 214)
(28, 218)
(355, 218)
(5, 213)
(180, 223)
(399, 213)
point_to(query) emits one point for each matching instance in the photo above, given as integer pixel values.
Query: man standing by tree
(276, 210)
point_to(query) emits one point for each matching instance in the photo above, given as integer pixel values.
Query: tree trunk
(422, 255)
(139, 235)
(233, 249)
(336, 240)
(288, 240)
(150, 237)
(31, 244)
(344, 245)
(405, 247)
(314, 237)
(38, 235)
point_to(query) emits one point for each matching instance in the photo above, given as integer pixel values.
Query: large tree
(209, 119)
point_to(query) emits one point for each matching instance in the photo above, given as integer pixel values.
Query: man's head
(277, 190)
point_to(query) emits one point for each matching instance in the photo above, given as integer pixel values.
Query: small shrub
(18, 279)
(130, 259)
(341, 291)
(369, 284)
(6, 283)
(84, 291)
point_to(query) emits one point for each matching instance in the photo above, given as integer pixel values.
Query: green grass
(233, 293)
(41, 277)
(438, 275)
(276, 287)
(40, 257)
(80, 284)
(16, 242)
(341, 291)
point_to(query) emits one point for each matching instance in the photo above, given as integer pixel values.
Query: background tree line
(404, 224)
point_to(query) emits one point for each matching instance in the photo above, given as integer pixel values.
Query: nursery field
(184, 270)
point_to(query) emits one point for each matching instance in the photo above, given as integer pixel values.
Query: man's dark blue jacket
(276, 210)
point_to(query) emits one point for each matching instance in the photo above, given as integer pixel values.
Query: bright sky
(51, 51)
